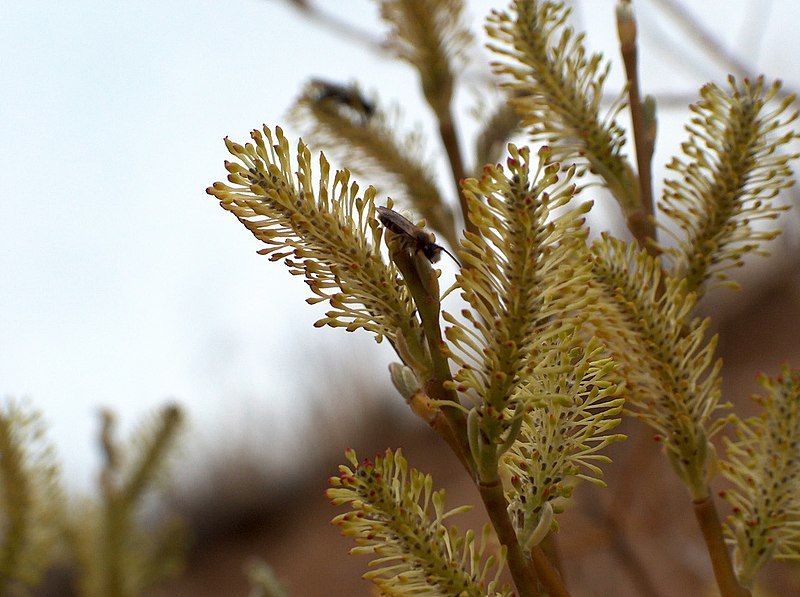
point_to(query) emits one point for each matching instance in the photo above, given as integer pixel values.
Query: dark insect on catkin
(419, 239)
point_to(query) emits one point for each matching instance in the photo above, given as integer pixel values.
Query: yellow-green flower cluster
(397, 517)
(521, 277)
(735, 165)
(558, 89)
(763, 463)
(570, 404)
(115, 554)
(326, 232)
(646, 320)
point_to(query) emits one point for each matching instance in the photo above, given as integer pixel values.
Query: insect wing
(395, 222)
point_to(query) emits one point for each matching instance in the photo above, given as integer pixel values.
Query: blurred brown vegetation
(638, 537)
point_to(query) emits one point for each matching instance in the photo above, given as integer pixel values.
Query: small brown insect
(348, 97)
(422, 239)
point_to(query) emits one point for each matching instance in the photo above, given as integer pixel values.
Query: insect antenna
(453, 257)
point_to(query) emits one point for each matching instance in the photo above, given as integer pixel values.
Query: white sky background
(123, 284)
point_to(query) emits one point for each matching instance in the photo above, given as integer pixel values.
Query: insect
(419, 239)
(344, 96)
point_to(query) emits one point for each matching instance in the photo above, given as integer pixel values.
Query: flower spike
(763, 463)
(735, 165)
(325, 232)
(397, 516)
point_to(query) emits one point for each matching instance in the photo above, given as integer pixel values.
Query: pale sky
(124, 285)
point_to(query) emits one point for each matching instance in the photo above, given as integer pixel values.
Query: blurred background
(125, 285)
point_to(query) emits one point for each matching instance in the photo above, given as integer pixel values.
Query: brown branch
(339, 26)
(620, 545)
(549, 546)
(708, 42)
(497, 508)
(449, 135)
(640, 459)
(423, 285)
(446, 430)
(424, 288)
(612, 517)
(706, 513)
(547, 573)
(626, 554)
(640, 222)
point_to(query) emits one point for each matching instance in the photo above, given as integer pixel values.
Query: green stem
(423, 286)
(497, 509)
(422, 282)
(706, 513)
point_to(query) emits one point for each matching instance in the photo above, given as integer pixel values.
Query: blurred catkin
(370, 146)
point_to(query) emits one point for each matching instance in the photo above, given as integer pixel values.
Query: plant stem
(640, 222)
(548, 575)
(550, 548)
(340, 26)
(627, 555)
(710, 44)
(443, 427)
(447, 131)
(423, 285)
(706, 513)
(497, 509)
(114, 531)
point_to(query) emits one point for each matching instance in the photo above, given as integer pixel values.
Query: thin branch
(497, 508)
(339, 26)
(640, 458)
(612, 517)
(613, 522)
(449, 135)
(708, 42)
(640, 222)
(706, 513)
(627, 556)
(550, 577)
(754, 24)
(423, 286)
(549, 546)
